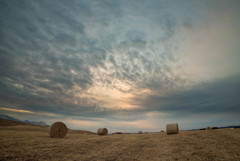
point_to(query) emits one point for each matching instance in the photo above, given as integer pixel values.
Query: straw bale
(58, 130)
(172, 129)
(209, 128)
(102, 131)
(139, 132)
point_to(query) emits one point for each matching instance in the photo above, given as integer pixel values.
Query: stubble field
(26, 142)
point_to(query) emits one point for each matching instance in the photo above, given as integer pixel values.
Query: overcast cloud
(127, 65)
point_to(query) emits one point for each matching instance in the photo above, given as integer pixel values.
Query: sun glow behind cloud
(114, 95)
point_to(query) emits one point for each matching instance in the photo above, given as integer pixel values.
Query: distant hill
(6, 117)
(41, 123)
(5, 122)
(229, 127)
(81, 132)
(31, 127)
(223, 127)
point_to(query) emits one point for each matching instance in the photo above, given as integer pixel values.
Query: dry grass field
(24, 142)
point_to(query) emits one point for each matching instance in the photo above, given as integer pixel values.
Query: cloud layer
(120, 60)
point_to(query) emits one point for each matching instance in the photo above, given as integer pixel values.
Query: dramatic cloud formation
(127, 65)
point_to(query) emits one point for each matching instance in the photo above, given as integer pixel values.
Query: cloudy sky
(127, 65)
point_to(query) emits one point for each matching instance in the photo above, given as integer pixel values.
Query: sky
(126, 65)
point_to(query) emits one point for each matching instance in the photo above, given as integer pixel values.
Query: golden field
(25, 142)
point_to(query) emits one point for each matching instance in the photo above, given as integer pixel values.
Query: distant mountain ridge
(6, 117)
(41, 123)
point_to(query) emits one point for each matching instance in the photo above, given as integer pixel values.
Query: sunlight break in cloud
(28, 112)
(82, 123)
(16, 110)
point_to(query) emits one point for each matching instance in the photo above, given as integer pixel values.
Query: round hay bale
(102, 131)
(172, 129)
(139, 132)
(162, 131)
(209, 128)
(58, 130)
